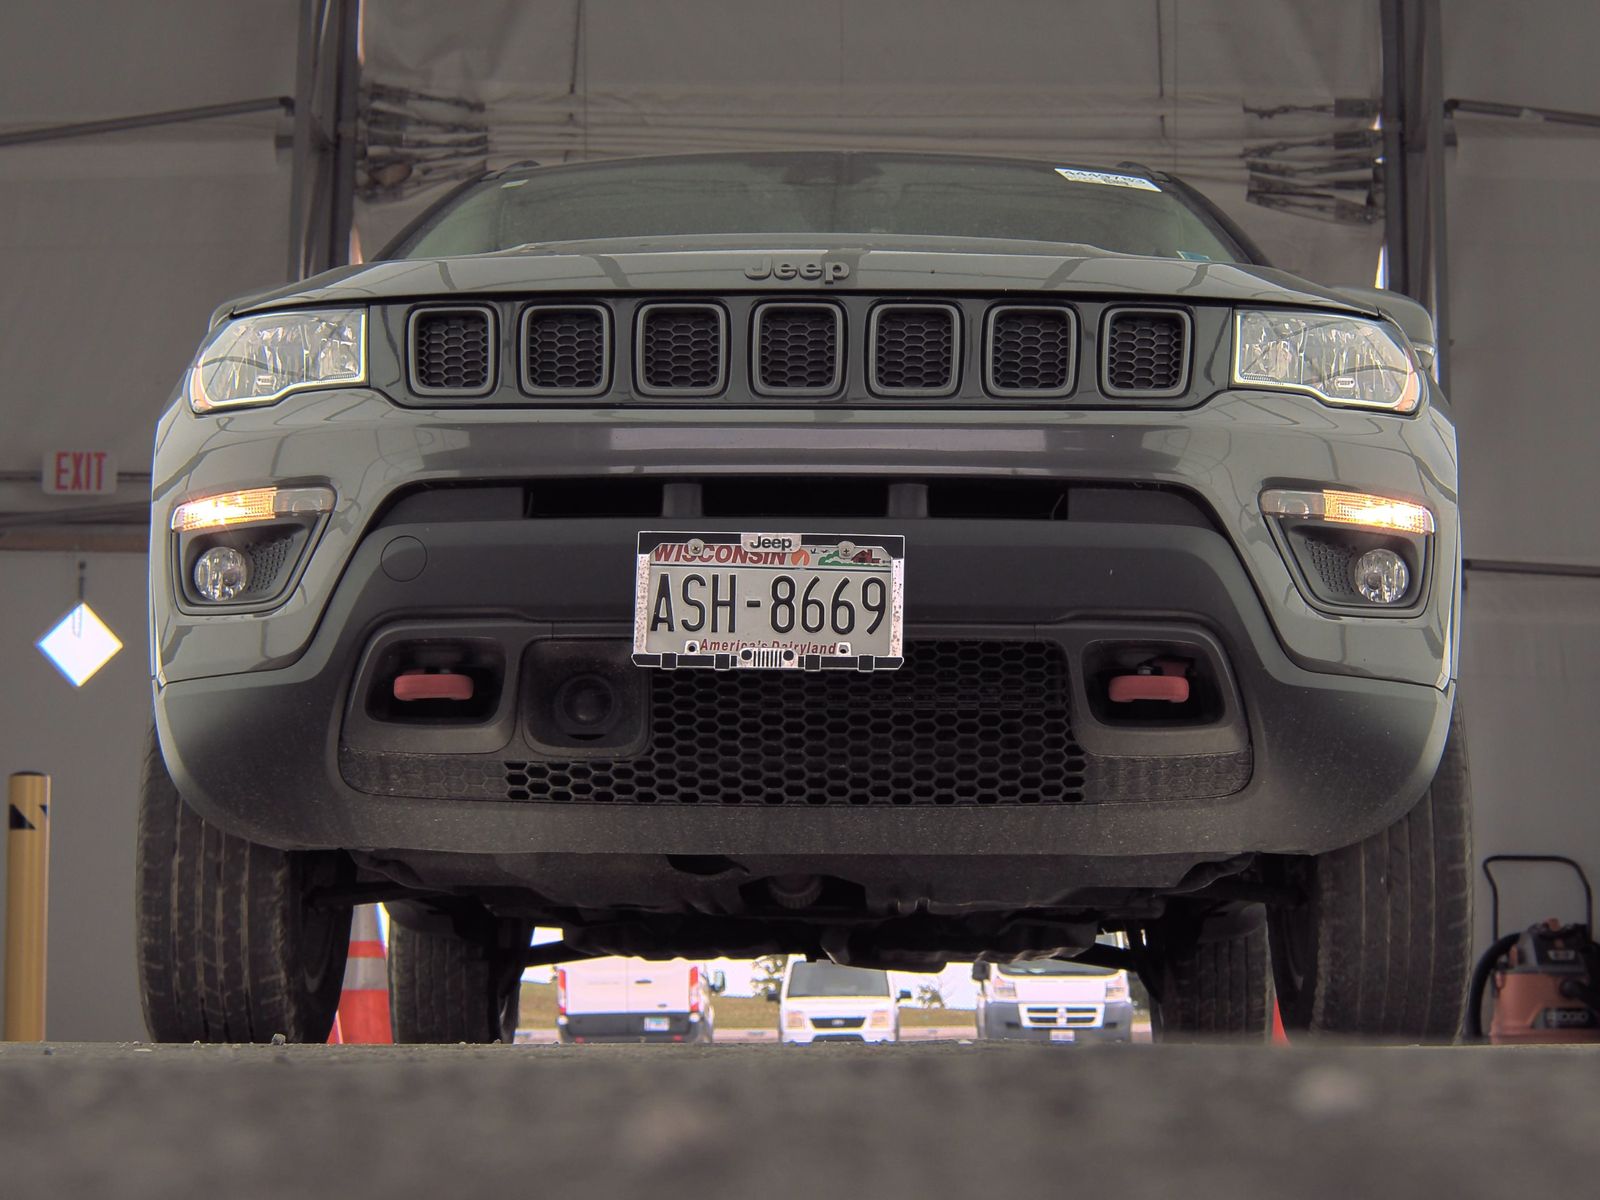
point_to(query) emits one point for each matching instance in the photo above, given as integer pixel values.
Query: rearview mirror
(719, 982)
(903, 996)
(980, 971)
(772, 995)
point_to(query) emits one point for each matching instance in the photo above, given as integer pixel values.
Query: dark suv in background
(878, 557)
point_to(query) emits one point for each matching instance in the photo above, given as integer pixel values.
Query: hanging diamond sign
(80, 644)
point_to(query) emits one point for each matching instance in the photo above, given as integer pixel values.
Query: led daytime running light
(248, 507)
(1349, 508)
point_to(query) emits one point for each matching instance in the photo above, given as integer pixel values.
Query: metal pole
(176, 116)
(27, 901)
(1438, 232)
(1396, 244)
(346, 114)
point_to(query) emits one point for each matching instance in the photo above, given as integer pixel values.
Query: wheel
(1213, 982)
(228, 949)
(1382, 944)
(447, 988)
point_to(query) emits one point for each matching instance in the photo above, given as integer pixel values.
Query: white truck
(633, 1000)
(824, 1002)
(1052, 1000)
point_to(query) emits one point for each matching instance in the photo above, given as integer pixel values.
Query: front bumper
(629, 1027)
(1345, 717)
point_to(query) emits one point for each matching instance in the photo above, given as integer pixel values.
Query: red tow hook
(418, 684)
(1160, 679)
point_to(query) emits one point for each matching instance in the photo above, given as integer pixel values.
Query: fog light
(221, 573)
(1382, 577)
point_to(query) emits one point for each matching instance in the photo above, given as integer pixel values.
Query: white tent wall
(90, 740)
(116, 250)
(1524, 255)
(1165, 83)
(117, 247)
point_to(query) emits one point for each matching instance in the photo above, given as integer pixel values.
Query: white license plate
(801, 601)
(657, 1024)
(1063, 1035)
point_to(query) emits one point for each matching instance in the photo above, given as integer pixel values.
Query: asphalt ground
(929, 1121)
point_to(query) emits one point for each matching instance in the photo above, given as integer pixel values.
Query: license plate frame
(1063, 1035)
(763, 555)
(658, 1025)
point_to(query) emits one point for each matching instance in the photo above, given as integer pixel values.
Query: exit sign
(79, 473)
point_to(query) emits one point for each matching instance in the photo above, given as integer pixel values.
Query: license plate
(657, 1024)
(798, 601)
(1063, 1035)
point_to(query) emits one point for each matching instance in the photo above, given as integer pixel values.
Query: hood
(838, 1006)
(877, 263)
(1060, 989)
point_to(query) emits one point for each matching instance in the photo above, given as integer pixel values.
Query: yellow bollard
(27, 899)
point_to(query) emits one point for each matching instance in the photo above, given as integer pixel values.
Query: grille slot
(914, 349)
(1031, 351)
(1146, 352)
(566, 350)
(682, 349)
(453, 351)
(798, 349)
(962, 723)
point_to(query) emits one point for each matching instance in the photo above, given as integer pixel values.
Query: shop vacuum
(1545, 980)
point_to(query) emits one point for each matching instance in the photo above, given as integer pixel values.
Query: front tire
(229, 949)
(447, 988)
(1382, 944)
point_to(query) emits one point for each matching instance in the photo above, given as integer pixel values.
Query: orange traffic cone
(1279, 1037)
(363, 1017)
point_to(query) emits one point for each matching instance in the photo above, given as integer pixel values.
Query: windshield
(820, 194)
(1053, 966)
(829, 979)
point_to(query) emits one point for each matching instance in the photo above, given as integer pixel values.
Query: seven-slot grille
(1146, 352)
(681, 349)
(1031, 350)
(567, 350)
(453, 351)
(797, 349)
(914, 349)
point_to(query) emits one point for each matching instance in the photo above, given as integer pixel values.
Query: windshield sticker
(1191, 256)
(1106, 177)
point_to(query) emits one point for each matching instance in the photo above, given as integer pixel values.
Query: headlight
(1347, 361)
(1117, 987)
(1002, 988)
(794, 1020)
(880, 1018)
(260, 360)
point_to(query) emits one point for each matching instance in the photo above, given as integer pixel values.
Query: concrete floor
(825, 1123)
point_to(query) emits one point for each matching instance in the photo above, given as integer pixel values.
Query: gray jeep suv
(881, 557)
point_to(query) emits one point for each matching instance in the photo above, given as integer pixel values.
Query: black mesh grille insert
(1031, 350)
(1146, 351)
(680, 348)
(451, 351)
(914, 349)
(566, 350)
(960, 723)
(799, 348)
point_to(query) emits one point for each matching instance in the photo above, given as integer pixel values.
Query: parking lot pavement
(831, 1121)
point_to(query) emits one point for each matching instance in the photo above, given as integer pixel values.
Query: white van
(1053, 1000)
(632, 1000)
(824, 1002)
